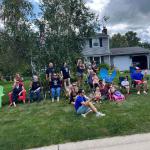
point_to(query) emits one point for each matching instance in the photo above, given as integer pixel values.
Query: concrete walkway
(132, 142)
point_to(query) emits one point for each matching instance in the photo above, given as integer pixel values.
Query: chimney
(104, 31)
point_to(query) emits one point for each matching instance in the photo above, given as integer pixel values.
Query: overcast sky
(125, 15)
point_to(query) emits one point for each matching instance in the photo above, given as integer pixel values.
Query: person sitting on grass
(138, 78)
(35, 90)
(97, 94)
(125, 84)
(95, 80)
(115, 94)
(83, 105)
(17, 91)
(55, 87)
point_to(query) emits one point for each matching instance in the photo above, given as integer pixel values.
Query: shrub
(104, 66)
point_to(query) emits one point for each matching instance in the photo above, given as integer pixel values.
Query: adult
(65, 72)
(89, 76)
(73, 91)
(80, 71)
(94, 66)
(55, 87)
(17, 91)
(49, 71)
(35, 89)
(83, 106)
(18, 78)
(138, 78)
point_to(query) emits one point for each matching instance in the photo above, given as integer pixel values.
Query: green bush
(104, 66)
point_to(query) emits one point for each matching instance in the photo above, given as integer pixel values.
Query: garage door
(122, 62)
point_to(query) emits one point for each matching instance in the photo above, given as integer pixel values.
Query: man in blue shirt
(138, 78)
(83, 106)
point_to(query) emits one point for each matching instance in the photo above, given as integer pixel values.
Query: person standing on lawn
(65, 73)
(83, 105)
(49, 72)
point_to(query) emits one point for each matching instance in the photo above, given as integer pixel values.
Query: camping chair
(1, 94)
(22, 97)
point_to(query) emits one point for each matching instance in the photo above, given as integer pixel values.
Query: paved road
(132, 142)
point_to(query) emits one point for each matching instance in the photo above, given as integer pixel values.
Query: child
(97, 94)
(114, 94)
(95, 80)
(125, 84)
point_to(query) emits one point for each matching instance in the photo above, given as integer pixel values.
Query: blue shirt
(78, 101)
(137, 76)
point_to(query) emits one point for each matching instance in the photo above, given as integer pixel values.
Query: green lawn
(46, 123)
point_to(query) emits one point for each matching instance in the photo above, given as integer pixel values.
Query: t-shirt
(78, 101)
(137, 76)
(125, 83)
(55, 83)
(35, 85)
(80, 69)
(50, 71)
(65, 71)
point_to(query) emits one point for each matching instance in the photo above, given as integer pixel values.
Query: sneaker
(83, 115)
(99, 114)
(138, 93)
(144, 92)
(52, 100)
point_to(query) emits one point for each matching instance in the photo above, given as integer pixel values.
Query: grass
(46, 123)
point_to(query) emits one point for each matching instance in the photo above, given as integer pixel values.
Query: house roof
(129, 50)
(96, 51)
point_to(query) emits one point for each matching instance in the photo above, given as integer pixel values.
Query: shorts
(66, 77)
(79, 74)
(139, 81)
(83, 109)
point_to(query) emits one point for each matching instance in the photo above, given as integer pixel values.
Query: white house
(97, 48)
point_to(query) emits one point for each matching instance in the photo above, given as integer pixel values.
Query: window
(90, 43)
(95, 44)
(100, 42)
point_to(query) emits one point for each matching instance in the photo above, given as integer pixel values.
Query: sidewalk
(132, 142)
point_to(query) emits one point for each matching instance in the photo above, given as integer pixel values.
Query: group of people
(99, 89)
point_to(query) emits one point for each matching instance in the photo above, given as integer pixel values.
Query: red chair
(20, 98)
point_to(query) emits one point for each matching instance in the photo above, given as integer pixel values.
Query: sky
(124, 15)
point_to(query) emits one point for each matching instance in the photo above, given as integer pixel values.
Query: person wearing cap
(35, 89)
(138, 78)
(83, 105)
(55, 87)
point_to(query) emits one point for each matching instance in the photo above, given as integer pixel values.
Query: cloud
(125, 15)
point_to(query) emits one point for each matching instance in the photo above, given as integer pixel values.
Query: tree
(67, 24)
(118, 41)
(132, 38)
(15, 38)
